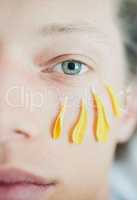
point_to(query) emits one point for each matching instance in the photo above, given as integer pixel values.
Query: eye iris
(71, 67)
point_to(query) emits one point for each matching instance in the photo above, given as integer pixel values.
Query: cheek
(69, 121)
(87, 160)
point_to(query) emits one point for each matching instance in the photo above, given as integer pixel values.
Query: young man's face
(36, 38)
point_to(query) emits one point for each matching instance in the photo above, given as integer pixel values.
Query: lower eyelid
(64, 76)
(69, 81)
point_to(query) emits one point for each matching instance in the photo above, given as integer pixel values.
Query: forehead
(35, 13)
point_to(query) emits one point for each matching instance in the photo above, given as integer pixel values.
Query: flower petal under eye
(71, 67)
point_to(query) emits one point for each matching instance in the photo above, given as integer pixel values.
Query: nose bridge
(13, 55)
(11, 77)
(7, 51)
(9, 64)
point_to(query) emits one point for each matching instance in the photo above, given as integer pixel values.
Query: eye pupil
(71, 65)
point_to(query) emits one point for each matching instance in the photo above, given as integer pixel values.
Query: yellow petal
(79, 130)
(103, 132)
(115, 102)
(57, 128)
(102, 124)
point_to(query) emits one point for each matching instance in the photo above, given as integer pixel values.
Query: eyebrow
(60, 28)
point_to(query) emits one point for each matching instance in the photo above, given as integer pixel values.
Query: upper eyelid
(74, 57)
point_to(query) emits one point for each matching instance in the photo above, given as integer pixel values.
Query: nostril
(22, 132)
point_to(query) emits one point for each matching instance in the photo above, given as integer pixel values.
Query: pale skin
(32, 34)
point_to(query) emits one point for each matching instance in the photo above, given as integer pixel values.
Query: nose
(15, 122)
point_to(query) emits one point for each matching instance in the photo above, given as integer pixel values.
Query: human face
(35, 37)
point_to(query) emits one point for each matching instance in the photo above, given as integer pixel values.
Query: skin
(27, 49)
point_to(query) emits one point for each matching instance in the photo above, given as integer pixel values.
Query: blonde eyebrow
(60, 28)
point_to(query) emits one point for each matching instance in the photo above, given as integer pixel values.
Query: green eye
(71, 67)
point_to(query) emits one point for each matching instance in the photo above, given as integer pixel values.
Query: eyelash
(49, 66)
